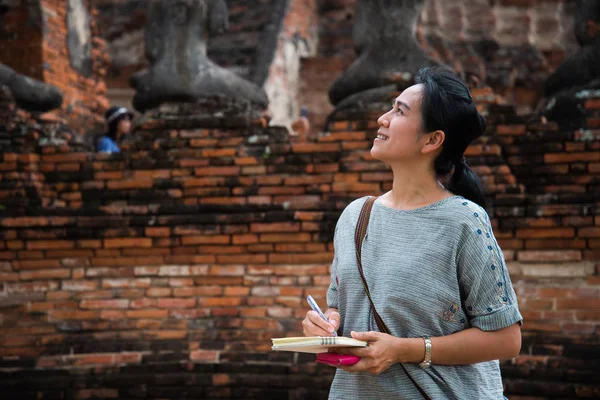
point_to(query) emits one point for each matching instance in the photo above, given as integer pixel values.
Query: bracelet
(427, 360)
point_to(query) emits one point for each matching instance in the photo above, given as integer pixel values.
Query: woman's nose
(383, 121)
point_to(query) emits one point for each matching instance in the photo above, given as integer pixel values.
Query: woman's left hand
(383, 351)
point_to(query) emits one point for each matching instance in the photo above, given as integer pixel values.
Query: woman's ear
(434, 141)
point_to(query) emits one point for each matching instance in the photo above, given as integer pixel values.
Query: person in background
(118, 120)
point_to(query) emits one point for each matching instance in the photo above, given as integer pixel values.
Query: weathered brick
(127, 242)
(150, 314)
(176, 303)
(104, 304)
(548, 255)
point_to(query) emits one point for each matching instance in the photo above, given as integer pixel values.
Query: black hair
(113, 125)
(448, 106)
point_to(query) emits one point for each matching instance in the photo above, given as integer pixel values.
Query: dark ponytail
(448, 106)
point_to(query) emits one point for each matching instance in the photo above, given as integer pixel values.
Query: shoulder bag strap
(359, 237)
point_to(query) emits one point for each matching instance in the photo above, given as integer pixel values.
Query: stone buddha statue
(180, 71)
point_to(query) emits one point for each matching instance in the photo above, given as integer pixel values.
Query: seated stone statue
(582, 67)
(384, 39)
(578, 74)
(176, 40)
(28, 93)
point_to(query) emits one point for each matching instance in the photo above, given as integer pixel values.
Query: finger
(366, 336)
(334, 319)
(316, 319)
(353, 351)
(310, 329)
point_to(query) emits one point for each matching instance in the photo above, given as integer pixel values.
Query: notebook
(314, 344)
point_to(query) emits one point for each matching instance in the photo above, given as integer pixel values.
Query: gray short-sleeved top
(434, 271)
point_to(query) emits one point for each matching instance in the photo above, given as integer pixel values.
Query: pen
(313, 304)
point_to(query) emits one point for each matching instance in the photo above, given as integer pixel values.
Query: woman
(118, 120)
(435, 272)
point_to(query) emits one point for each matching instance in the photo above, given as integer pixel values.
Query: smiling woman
(433, 298)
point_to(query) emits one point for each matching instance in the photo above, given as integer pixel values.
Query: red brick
(541, 304)
(285, 237)
(219, 301)
(245, 239)
(511, 129)
(176, 303)
(50, 244)
(207, 356)
(239, 259)
(545, 233)
(315, 147)
(166, 335)
(158, 292)
(307, 180)
(549, 255)
(57, 315)
(96, 359)
(555, 244)
(236, 291)
(213, 239)
(553, 158)
(104, 304)
(275, 227)
(157, 231)
(588, 315)
(300, 258)
(36, 264)
(592, 104)
(554, 292)
(213, 153)
(42, 274)
(339, 126)
(127, 242)
(590, 232)
(217, 171)
(578, 304)
(130, 184)
(79, 285)
(151, 314)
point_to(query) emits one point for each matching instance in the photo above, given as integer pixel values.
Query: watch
(427, 360)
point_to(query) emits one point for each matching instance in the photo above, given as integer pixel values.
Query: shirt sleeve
(104, 145)
(487, 293)
(107, 145)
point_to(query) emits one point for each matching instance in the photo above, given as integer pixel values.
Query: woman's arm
(469, 346)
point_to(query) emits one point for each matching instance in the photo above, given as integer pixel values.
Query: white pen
(313, 304)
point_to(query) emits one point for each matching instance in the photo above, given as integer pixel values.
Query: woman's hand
(314, 325)
(383, 351)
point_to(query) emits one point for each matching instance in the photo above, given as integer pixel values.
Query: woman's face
(124, 126)
(400, 130)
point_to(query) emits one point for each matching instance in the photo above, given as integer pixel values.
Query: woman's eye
(400, 111)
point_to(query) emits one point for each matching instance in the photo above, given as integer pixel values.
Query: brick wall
(163, 272)
(512, 45)
(21, 45)
(35, 44)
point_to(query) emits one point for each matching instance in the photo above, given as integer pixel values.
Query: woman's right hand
(314, 325)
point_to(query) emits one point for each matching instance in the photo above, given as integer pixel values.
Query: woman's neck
(413, 190)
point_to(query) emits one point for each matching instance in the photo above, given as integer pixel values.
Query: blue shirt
(107, 145)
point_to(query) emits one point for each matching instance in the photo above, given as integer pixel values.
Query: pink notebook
(336, 359)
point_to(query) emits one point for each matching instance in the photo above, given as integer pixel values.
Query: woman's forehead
(411, 95)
